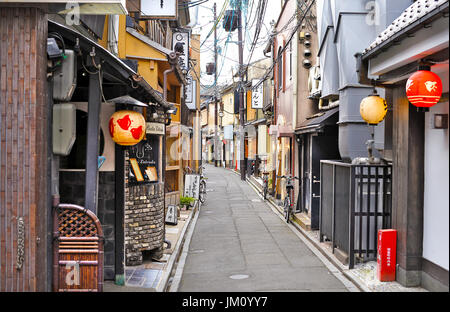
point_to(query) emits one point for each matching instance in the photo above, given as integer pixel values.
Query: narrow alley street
(224, 146)
(240, 244)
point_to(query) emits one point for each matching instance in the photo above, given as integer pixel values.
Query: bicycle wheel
(202, 193)
(287, 208)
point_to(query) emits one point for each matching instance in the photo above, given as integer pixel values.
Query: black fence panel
(326, 210)
(341, 215)
(357, 200)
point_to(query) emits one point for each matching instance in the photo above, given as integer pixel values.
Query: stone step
(303, 220)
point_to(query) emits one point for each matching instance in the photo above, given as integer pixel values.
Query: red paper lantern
(127, 127)
(424, 88)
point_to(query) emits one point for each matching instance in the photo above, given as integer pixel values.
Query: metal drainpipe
(172, 61)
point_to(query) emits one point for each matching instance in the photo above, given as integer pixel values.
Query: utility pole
(241, 94)
(216, 119)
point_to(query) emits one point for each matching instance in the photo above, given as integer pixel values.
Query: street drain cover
(197, 251)
(239, 276)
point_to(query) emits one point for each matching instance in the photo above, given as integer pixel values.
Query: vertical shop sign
(181, 45)
(257, 95)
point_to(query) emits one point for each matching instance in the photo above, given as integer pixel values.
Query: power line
(286, 44)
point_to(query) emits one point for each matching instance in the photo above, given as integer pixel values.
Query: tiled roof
(413, 13)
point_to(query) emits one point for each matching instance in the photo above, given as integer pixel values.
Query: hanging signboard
(228, 132)
(84, 7)
(192, 185)
(159, 9)
(257, 95)
(180, 41)
(191, 93)
(155, 128)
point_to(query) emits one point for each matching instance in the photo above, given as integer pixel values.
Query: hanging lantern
(373, 109)
(127, 127)
(424, 88)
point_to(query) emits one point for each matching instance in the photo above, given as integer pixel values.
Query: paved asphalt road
(238, 235)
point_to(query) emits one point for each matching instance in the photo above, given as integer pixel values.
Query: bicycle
(287, 206)
(265, 189)
(202, 190)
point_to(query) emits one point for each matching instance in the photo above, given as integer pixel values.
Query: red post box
(386, 258)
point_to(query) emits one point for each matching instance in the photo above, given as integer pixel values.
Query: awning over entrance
(317, 123)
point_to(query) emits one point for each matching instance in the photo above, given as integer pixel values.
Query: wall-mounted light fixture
(307, 63)
(440, 121)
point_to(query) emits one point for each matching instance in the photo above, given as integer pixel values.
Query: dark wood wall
(408, 186)
(23, 149)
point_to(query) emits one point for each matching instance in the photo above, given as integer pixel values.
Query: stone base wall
(144, 221)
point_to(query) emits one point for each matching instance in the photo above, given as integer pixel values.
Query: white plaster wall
(436, 193)
(106, 111)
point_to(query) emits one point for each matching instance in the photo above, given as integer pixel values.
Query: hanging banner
(257, 95)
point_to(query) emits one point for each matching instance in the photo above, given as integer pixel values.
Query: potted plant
(186, 202)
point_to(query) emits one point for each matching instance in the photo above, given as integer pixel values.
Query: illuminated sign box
(86, 7)
(159, 9)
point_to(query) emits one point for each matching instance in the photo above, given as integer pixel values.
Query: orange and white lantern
(424, 89)
(127, 127)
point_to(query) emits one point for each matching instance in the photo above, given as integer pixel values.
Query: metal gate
(355, 203)
(77, 251)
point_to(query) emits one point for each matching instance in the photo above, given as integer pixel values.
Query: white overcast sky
(228, 58)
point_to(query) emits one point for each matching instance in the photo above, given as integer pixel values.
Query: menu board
(143, 161)
(192, 186)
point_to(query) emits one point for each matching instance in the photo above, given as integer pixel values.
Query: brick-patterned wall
(144, 219)
(23, 150)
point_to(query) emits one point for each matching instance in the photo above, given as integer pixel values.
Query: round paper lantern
(424, 88)
(127, 127)
(373, 109)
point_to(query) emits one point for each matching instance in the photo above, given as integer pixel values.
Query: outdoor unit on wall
(64, 128)
(65, 82)
(314, 82)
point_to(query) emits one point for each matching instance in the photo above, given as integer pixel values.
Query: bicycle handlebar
(288, 177)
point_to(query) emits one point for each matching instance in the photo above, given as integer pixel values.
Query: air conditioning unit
(314, 81)
(65, 81)
(64, 128)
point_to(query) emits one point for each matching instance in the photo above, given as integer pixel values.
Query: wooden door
(78, 250)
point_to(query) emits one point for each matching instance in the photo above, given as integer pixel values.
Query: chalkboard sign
(143, 161)
(172, 215)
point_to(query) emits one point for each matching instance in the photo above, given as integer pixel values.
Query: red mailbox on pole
(386, 258)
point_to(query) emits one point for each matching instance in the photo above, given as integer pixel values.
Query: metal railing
(355, 203)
